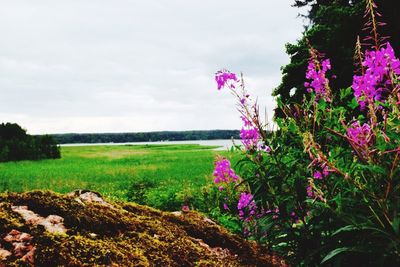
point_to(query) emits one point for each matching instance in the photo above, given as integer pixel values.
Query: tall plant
(324, 188)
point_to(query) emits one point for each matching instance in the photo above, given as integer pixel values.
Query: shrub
(323, 189)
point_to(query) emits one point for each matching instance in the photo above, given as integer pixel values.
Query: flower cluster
(360, 135)
(223, 173)
(378, 67)
(250, 137)
(319, 175)
(226, 78)
(318, 83)
(246, 202)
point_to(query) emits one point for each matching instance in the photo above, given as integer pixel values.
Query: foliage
(333, 28)
(326, 191)
(161, 176)
(73, 138)
(16, 145)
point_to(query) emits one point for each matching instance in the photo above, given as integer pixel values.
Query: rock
(105, 233)
(21, 243)
(208, 220)
(87, 196)
(52, 223)
(4, 254)
(218, 251)
(30, 256)
(92, 235)
(177, 213)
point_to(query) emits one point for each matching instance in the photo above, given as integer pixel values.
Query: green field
(162, 176)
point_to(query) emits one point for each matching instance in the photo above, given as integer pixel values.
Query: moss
(82, 251)
(124, 235)
(216, 236)
(8, 219)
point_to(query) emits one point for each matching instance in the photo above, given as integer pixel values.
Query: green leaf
(321, 105)
(347, 228)
(396, 225)
(353, 104)
(279, 121)
(336, 252)
(292, 127)
(345, 92)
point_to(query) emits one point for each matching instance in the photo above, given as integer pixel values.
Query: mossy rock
(121, 234)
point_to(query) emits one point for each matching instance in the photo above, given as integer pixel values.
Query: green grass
(163, 175)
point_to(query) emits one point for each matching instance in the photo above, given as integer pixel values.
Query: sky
(88, 66)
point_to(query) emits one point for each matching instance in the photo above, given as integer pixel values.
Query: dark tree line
(74, 138)
(16, 145)
(333, 29)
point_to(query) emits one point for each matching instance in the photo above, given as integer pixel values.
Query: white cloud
(134, 65)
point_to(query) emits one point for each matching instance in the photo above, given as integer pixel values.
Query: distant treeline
(16, 145)
(74, 138)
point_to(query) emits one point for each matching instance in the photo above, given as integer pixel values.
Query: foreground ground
(81, 229)
(161, 176)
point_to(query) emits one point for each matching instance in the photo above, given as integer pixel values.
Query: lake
(222, 144)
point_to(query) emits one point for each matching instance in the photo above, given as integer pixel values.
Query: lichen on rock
(96, 232)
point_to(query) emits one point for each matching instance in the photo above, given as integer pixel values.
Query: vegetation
(162, 176)
(16, 145)
(324, 189)
(333, 29)
(144, 137)
(92, 232)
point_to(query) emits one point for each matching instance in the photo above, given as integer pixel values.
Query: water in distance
(223, 144)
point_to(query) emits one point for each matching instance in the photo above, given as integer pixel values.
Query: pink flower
(246, 121)
(318, 175)
(378, 67)
(246, 202)
(318, 82)
(360, 135)
(223, 173)
(250, 137)
(226, 78)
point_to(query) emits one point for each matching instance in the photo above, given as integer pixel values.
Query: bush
(16, 145)
(324, 188)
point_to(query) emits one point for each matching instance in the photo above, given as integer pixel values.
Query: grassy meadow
(162, 176)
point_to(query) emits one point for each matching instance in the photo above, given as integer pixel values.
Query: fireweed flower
(319, 175)
(226, 78)
(226, 206)
(223, 173)
(250, 137)
(360, 135)
(318, 82)
(266, 148)
(246, 202)
(378, 66)
(246, 121)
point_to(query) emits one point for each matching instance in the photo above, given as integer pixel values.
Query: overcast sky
(137, 65)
